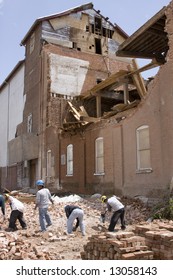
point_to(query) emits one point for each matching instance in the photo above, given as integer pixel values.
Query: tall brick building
(90, 123)
(66, 55)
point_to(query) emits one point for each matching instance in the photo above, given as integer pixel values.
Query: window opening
(143, 148)
(98, 48)
(98, 25)
(99, 156)
(29, 123)
(70, 159)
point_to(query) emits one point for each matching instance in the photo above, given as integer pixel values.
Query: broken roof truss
(124, 89)
(119, 92)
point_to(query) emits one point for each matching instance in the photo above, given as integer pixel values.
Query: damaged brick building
(89, 123)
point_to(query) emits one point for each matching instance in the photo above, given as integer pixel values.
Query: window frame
(99, 157)
(29, 123)
(70, 160)
(139, 150)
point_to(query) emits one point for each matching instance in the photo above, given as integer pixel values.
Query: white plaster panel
(3, 126)
(16, 102)
(67, 74)
(11, 113)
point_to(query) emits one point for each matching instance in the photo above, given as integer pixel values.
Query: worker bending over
(74, 213)
(113, 204)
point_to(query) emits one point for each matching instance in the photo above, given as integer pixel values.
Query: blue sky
(17, 16)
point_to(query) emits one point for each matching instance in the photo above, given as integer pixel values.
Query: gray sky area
(17, 16)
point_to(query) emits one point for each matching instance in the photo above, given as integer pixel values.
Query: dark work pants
(114, 219)
(14, 216)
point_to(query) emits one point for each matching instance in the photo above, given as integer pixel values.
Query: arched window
(99, 156)
(70, 160)
(143, 148)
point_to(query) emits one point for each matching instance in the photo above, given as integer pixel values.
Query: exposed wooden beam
(156, 32)
(89, 119)
(111, 95)
(137, 54)
(83, 111)
(149, 66)
(146, 26)
(126, 93)
(138, 80)
(74, 110)
(77, 114)
(108, 82)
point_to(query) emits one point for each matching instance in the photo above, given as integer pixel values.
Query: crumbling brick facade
(95, 146)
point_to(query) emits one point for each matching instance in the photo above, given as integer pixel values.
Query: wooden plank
(148, 66)
(141, 80)
(74, 111)
(83, 111)
(108, 82)
(138, 80)
(77, 114)
(119, 107)
(126, 93)
(90, 119)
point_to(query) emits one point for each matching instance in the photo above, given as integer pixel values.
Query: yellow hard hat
(103, 198)
(6, 195)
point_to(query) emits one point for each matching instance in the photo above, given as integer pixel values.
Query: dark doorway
(33, 165)
(98, 48)
(98, 26)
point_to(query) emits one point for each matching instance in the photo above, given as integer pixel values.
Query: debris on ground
(55, 244)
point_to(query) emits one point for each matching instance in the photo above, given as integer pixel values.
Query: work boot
(11, 229)
(48, 225)
(123, 227)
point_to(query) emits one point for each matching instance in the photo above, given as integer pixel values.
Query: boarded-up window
(99, 156)
(70, 159)
(29, 123)
(143, 148)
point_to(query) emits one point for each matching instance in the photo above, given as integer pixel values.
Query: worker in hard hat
(17, 213)
(113, 204)
(43, 198)
(73, 212)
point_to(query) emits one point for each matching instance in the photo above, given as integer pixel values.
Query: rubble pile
(13, 247)
(136, 210)
(116, 246)
(159, 238)
(146, 241)
(55, 244)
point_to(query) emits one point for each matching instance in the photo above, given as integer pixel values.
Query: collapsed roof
(150, 41)
(124, 89)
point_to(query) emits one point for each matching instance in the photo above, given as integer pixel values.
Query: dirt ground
(55, 244)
